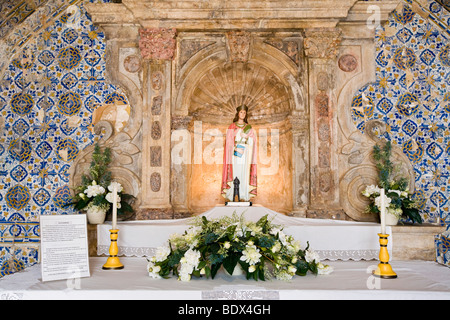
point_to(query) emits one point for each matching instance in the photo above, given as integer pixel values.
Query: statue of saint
(239, 158)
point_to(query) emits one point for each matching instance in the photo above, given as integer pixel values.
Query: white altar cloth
(331, 239)
(425, 280)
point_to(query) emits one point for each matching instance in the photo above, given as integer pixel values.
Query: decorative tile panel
(58, 77)
(411, 95)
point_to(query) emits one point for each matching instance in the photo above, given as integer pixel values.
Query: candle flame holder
(384, 269)
(113, 261)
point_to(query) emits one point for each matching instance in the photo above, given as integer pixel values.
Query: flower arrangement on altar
(95, 194)
(398, 200)
(261, 249)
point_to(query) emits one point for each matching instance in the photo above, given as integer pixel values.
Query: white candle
(114, 211)
(383, 212)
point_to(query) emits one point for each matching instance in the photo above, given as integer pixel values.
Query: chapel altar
(301, 69)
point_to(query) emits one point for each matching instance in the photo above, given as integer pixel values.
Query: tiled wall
(47, 97)
(411, 95)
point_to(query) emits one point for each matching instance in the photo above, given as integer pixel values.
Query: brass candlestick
(113, 262)
(384, 269)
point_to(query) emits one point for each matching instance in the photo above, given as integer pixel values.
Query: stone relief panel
(322, 102)
(156, 105)
(322, 43)
(156, 130)
(239, 45)
(133, 63)
(155, 156)
(189, 47)
(348, 63)
(157, 80)
(291, 47)
(155, 181)
(157, 43)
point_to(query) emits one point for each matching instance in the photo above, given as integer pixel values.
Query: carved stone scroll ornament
(322, 43)
(352, 185)
(157, 43)
(120, 143)
(123, 166)
(363, 171)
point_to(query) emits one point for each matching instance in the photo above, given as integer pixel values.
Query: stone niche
(232, 69)
(187, 65)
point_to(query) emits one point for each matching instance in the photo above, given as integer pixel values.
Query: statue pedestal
(238, 204)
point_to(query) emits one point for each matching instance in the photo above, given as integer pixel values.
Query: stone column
(321, 49)
(300, 159)
(157, 47)
(181, 153)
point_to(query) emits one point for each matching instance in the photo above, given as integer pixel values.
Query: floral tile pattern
(411, 95)
(47, 96)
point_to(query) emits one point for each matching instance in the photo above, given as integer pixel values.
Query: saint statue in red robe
(239, 158)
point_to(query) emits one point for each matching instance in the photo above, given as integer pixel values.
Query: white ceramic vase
(95, 215)
(391, 219)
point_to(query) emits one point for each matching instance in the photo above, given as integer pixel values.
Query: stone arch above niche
(214, 56)
(225, 87)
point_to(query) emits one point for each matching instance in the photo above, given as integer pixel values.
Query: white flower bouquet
(96, 190)
(398, 200)
(260, 248)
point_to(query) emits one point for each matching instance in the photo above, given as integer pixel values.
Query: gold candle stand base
(113, 262)
(384, 269)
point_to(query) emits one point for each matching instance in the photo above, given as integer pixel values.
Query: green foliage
(396, 188)
(261, 249)
(382, 156)
(99, 166)
(100, 179)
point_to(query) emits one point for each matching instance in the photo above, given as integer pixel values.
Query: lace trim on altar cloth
(332, 255)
